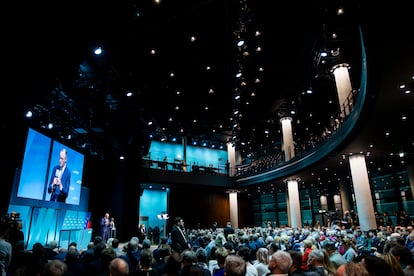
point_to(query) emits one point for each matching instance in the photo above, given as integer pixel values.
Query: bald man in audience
(280, 263)
(118, 267)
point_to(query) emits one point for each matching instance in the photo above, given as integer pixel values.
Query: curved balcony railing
(326, 147)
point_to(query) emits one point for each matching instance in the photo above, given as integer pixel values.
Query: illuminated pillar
(184, 153)
(345, 200)
(231, 156)
(234, 214)
(362, 192)
(338, 206)
(344, 88)
(324, 203)
(288, 210)
(294, 204)
(288, 146)
(410, 172)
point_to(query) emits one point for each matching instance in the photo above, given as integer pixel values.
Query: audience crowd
(338, 249)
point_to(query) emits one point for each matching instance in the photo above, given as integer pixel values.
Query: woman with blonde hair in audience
(262, 261)
(307, 249)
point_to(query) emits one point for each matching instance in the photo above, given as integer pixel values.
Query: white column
(288, 146)
(337, 204)
(344, 88)
(184, 140)
(294, 204)
(362, 191)
(231, 157)
(234, 214)
(410, 172)
(289, 217)
(345, 200)
(324, 207)
(324, 203)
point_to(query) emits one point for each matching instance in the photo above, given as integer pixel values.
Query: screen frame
(41, 154)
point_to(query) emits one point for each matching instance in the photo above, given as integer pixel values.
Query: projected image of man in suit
(59, 183)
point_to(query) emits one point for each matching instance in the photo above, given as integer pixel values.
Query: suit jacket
(55, 193)
(178, 241)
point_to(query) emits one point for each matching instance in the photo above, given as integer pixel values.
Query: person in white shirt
(245, 253)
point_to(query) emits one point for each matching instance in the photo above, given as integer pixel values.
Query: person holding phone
(59, 183)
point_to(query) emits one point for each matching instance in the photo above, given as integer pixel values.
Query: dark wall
(13, 139)
(115, 188)
(205, 205)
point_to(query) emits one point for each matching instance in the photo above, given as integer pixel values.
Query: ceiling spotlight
(240, 43)
(98, 51)
(29, 114)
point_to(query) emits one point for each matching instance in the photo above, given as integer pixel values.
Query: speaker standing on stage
(105, 222)
(59, 183)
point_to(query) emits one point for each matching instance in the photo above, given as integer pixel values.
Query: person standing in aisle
(179, 241)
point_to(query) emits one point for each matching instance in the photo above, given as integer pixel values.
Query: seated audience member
(189, 265)
(262, 261)
(72, 260)
(352, 269)
(146, 266)
(396, 268)
(51, 250)
(118, 267)
(55, 268)
(115, 246)
(234, 266)
(296, 268)
(320, 264)
(375, 265)
(280, 263)
(132, 254)
(221, 254)
(245, 252)
(403, 255)
(336, 258)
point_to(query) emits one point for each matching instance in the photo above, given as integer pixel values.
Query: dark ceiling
(188, 87)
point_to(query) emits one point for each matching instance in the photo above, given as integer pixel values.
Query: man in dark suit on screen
(59, 183)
